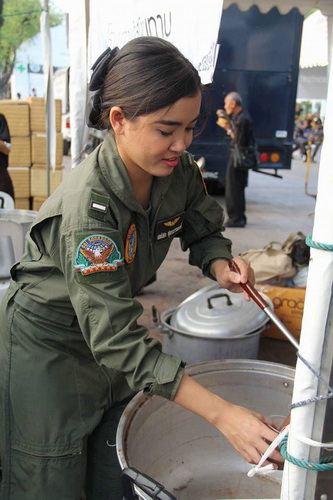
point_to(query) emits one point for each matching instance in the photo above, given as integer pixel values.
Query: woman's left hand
(229, 279)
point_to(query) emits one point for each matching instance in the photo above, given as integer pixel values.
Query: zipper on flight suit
(152, 227)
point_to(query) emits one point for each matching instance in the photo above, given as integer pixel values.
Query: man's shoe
(239, 223)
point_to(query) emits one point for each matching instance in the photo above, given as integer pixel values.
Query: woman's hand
(245, 429)
(229, 279)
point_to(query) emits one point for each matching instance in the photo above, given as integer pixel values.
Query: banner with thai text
(192, 26)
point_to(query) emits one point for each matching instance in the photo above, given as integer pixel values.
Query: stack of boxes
(17, 114)
(27, 159)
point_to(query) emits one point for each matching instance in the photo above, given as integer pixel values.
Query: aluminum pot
(188, 456)
(213, 324)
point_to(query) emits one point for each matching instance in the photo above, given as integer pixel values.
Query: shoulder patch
(97, 253)
(131, 243)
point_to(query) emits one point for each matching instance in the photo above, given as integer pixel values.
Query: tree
(21, 21)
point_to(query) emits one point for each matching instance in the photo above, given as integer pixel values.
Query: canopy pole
(311, 420)
(49, 98)
(324, 478)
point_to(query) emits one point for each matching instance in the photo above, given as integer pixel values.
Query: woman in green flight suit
(72, 349)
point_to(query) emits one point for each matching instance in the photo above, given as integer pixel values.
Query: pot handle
(154, 490)
(216, 296)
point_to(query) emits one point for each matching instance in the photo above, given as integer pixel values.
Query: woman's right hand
(245, 429)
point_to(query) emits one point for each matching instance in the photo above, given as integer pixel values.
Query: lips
(171, 162)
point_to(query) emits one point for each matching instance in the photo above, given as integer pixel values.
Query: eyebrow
(172, 122)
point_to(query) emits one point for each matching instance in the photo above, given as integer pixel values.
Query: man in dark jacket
(240, 129)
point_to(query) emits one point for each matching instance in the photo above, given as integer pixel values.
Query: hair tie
(99, 71)
(100, 68)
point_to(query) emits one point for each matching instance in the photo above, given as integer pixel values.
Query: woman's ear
(117, 119)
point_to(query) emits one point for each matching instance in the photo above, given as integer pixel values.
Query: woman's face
(152, 143)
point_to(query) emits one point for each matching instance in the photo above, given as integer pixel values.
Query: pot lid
(217, 313)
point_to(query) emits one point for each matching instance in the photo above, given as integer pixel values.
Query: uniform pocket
(52, 475)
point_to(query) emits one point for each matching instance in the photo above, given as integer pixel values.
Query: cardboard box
(22, 203)
(38, 181)
(288, 306)
(43, 166)
(38, 113)
(17, 114)
(20, 153)
(37, 202)
(38, 147)
(21, 180)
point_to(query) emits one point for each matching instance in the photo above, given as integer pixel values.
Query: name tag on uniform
(169, 228)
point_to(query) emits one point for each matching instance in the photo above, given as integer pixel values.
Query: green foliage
(21, 22)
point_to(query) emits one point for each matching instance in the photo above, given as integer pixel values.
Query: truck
(259, 59)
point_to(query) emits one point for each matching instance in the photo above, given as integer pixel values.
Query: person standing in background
(6, 184)
(240, 128)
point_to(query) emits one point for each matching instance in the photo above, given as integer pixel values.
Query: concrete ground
(275, 208)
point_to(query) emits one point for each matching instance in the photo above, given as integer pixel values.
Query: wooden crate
(38, 114)
(38, 147)
(17, 114)
(21, 180)
(20, 154)
(38, 181)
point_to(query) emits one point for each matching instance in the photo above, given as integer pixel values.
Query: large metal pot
(213, 324)
(188, 456)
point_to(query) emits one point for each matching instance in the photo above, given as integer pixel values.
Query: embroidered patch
(97, 253)
(98, 206)
(131, 244)
(168, 228)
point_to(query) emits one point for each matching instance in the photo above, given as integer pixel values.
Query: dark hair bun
(99, 72)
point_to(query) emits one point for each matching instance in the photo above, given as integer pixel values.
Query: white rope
(268, 468)
(311, 442)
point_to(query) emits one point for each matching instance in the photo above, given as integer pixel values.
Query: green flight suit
(72, 349)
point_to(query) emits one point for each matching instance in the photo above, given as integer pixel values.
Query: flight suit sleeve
(203, 226)
(93, 265)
